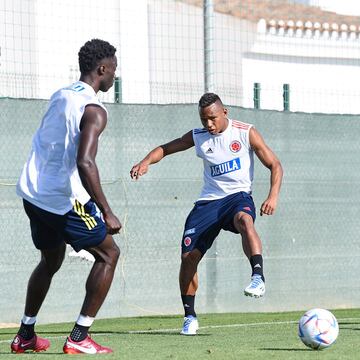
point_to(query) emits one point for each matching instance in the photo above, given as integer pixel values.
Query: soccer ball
(318, 328)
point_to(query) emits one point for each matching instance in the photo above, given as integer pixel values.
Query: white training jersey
(50, 178)
(228, 160)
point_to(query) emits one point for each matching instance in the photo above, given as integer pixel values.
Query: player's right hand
(138, 170)
(112, 223)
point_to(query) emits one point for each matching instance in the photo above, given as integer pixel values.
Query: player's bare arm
(92, 125)
(269, 159)
(180, 144)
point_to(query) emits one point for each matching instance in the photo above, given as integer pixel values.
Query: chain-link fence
(284, 54)
(310, 245)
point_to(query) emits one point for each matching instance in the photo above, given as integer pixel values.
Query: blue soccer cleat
(256, 288)
(191, 325)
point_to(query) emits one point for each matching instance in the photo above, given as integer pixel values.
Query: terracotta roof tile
(254, 10)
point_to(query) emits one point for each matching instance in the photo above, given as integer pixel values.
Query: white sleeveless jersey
(50, 178)
(228, 160)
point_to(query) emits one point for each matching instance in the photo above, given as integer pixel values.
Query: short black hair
(92, 52)
(208, 99)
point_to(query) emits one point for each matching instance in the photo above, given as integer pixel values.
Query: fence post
(286, 96)
(257, 89)
(118, 90)
(208, 14)
(209, 85)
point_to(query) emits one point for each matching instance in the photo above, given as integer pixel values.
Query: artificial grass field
(221, 336)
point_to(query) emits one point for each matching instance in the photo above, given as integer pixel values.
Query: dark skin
(107, 253)
(214, 119)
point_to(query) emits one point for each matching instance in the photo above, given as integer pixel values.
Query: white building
(161, 53)
(345, 7)
(320, 62)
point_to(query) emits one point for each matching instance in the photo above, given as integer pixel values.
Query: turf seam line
(178, 329)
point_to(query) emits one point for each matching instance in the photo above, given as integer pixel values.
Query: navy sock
(256, 262)
(79, 333)
(26, 331)
(188, 303)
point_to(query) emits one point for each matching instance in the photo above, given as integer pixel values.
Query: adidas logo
(209, 151)
(257, 266)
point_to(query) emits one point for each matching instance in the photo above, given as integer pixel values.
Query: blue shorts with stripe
(81, 227)
(208, 217)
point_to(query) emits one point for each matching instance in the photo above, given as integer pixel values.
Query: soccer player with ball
(227, 148)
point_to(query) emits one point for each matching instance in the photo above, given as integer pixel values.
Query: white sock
(84, 320)
(28, 320)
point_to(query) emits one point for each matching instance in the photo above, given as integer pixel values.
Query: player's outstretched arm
(269, 159)
(155, 155)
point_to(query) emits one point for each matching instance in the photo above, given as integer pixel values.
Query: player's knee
(185, 258)
(116, 254)
(243, 222)
(110, 255)
(53, 265)
(51, 260)
(191, 258)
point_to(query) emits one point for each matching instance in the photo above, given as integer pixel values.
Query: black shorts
(82, 227)
(208, 217)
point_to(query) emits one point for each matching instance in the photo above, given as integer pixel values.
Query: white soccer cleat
(86, 346)
(256, 288)
(191, 325)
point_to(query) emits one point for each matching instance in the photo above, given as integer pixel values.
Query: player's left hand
(268, 206)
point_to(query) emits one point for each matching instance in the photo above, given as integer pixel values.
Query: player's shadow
(130, 332)
(347, 325)
(169, 334)
(283, 349)
(31, 354)
(349, 328)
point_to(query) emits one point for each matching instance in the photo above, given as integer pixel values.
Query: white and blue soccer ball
(318, 328)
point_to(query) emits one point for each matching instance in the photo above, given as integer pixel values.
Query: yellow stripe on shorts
(88, 220)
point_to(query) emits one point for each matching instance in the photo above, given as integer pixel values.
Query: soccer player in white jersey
(226, 147)
(64, 200)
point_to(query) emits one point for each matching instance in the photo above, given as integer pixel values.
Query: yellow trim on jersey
(88, 220)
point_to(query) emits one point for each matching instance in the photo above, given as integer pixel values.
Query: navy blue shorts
(82, 227)
(208, 217)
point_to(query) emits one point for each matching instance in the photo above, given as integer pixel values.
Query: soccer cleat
(256, 288)
(191, 325)
(86, 346)
(35, 344)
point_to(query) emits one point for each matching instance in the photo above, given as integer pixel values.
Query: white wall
(320, 80)
(161, 54)
(134, 51)
(62, 27)
(18, 58)
(345, 7)
(176, 52)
